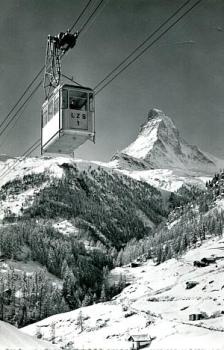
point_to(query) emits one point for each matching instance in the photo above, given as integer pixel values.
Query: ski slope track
(155, 303)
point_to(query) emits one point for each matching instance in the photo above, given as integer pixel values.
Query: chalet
(208, 260)
(139, 341)
(205, 262)
(190, 284)
(135, 264)
(196, 317)
(198, 263)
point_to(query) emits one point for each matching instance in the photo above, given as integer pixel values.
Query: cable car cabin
(68, 119)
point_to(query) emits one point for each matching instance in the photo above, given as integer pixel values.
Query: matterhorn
(160, 156)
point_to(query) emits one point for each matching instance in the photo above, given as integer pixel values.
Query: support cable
(90, 17)
(71, 79)
(143, 43)
(149, 46)
(37, 143)
(34, 79)
(31, 149)
(26, 101)
(21, 97)
(81, 14)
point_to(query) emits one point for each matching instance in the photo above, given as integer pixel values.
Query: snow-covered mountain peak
(157, 133)
(157, 114)
(158, 121)
(160, 145)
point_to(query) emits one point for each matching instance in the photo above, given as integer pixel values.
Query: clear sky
(185, 80)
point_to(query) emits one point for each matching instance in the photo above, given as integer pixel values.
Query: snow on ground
(18, 167)
(13, 339)
(163, 179)
(166, 179)
(219, 204)
(14, 203)
(66, 227)
(29, 267)
(145, 140)
(156, 303)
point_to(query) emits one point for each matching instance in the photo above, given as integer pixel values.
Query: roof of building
(139, 337)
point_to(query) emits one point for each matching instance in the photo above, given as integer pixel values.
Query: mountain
(79, 219)
(161, 157)
(12, 338)
(82, 191)
(156, 303)
(63, 224)
(178, 277)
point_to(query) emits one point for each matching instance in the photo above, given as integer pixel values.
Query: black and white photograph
(112, 175)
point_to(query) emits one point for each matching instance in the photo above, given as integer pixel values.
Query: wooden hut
(196, 317)
(208, 261)
(140, 341)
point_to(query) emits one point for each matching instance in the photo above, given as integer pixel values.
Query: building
(208, 261)
(140, 341)
(196, 317)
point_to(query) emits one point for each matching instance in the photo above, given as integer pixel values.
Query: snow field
(156, 303)
(13, 339)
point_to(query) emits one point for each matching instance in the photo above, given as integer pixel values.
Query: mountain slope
(97, 197)
(160, 145)
(76, 217)
(161, 297)
(12, 338)
(156, 303)
(162, 158)
(72, 217)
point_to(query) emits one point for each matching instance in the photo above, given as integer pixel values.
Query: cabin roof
(78, 87)
(208, 259)
(195, 313)
(139, 337)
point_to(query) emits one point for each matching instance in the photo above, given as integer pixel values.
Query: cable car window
(91, 103)
(56, 105)
(50, 110)
(44, 116)
(78, 100)
(64, 99)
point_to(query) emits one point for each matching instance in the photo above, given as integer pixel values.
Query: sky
(182, 74)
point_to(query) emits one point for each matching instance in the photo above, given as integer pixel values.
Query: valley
(94, 252)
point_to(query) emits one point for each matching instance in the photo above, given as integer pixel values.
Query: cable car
(68, 119)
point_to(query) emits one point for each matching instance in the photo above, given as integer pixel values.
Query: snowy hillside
(159, 156)
(72, 218)
(157, 303)
(93, 184)
(162, 158)
(16, 169)
(12, 338)
(79, 219)
(176, 302)
(167, 179)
